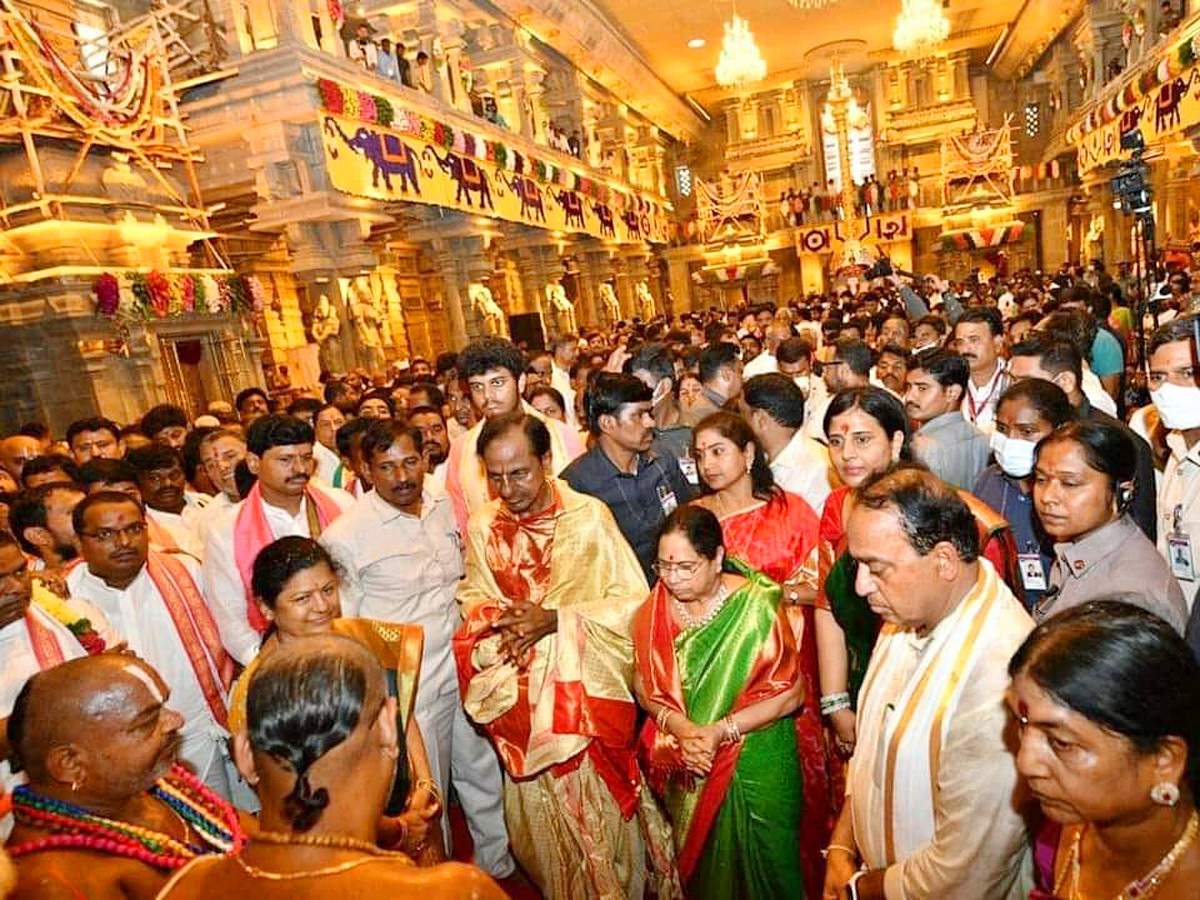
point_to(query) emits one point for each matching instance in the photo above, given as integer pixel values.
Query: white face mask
(1178, 406)
(1013, 455)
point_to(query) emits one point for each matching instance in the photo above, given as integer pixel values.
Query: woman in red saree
(776, 533)
(716, 668)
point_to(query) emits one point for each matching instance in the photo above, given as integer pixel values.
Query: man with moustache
(979, 339)
(95, 438)
(938, 817)
(221, 450)
(153, 601)
(99, 744)
(171, 513)
(41, 520)
(435, 444)
(953, 449)
(283, 502)
(402, 561)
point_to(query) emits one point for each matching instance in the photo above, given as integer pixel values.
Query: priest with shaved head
(107, 811)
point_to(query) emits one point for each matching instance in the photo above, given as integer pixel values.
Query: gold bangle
(851, 853)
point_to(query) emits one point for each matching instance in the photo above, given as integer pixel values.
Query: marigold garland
(137, 296)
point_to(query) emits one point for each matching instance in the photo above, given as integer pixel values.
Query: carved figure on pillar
(645, 302)
(487, 309)
(608, 300)
(562, 308)
(368, 320)
(326, 326)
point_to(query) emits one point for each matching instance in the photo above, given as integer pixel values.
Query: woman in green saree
(717, 672)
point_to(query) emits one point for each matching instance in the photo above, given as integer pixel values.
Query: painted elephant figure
(572, 207)
(632, 223)
(531, 196)
(605, 217)
(387, 154)
(1166, 105)
(470, 178)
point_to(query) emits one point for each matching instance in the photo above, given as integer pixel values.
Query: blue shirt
(1106, 358)
(1005, 496)
(638, 502)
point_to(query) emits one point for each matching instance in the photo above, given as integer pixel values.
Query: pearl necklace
(1140, 888)
(692, 621)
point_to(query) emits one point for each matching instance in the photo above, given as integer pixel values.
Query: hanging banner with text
(1167, 110)
(383, 164)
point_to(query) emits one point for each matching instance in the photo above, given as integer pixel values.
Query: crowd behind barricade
(883, 593)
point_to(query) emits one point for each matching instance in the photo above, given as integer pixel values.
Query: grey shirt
(1116, 558)
(953, 449)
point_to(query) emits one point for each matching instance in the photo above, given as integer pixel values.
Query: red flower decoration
(160, 293)
(108, 294)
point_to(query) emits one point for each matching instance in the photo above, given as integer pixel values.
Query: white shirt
(435, 481)
(139, 614)
(223, 586)
(18, 662)
(815, 405)
(327, 462)
(561, 382)
(210, 515)
(1180, 492)
(1095, 392)
(404, 568)
(803, 467)
(979, 405)
(762, 364)
(182, 527)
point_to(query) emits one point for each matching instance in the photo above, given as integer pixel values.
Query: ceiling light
(920, 27)
(697, 43)
(740, 63)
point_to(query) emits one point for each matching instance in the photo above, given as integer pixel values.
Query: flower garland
(374, 109)
(141, 296)
(80, 626)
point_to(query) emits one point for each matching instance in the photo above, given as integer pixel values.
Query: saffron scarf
(252, 532)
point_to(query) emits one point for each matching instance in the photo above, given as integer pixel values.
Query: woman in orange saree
(776, 533)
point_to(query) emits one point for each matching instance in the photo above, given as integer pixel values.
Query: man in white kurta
(283, 503)
(116, 578)
(402, 559)
(931, 790)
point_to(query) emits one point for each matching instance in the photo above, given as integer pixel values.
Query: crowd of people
(884, 593)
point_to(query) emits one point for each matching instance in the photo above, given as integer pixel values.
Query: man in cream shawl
(931, 809)
(545, 659)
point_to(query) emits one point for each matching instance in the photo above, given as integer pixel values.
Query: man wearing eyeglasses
(153, 601)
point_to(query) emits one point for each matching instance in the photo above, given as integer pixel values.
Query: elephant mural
(468, 175)
(632, 223)
(605, 217)
(387, 154)
(1166, 104)
(531, 197)
(572, 207)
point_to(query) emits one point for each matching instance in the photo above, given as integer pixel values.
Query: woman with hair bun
(1106, 697)
(321, 743)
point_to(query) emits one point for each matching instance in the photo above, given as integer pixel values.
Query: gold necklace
(326, 841)
(1140, 888)
(255, 872)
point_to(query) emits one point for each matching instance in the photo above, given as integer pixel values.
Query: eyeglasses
(685, 569)
(108, 535)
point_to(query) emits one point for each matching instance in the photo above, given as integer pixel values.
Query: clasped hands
(521, 626)
(697, 744)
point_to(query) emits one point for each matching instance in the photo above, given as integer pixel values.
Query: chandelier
(920, 27)
(740, 63)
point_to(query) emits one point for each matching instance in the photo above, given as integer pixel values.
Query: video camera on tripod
(1131, 193)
